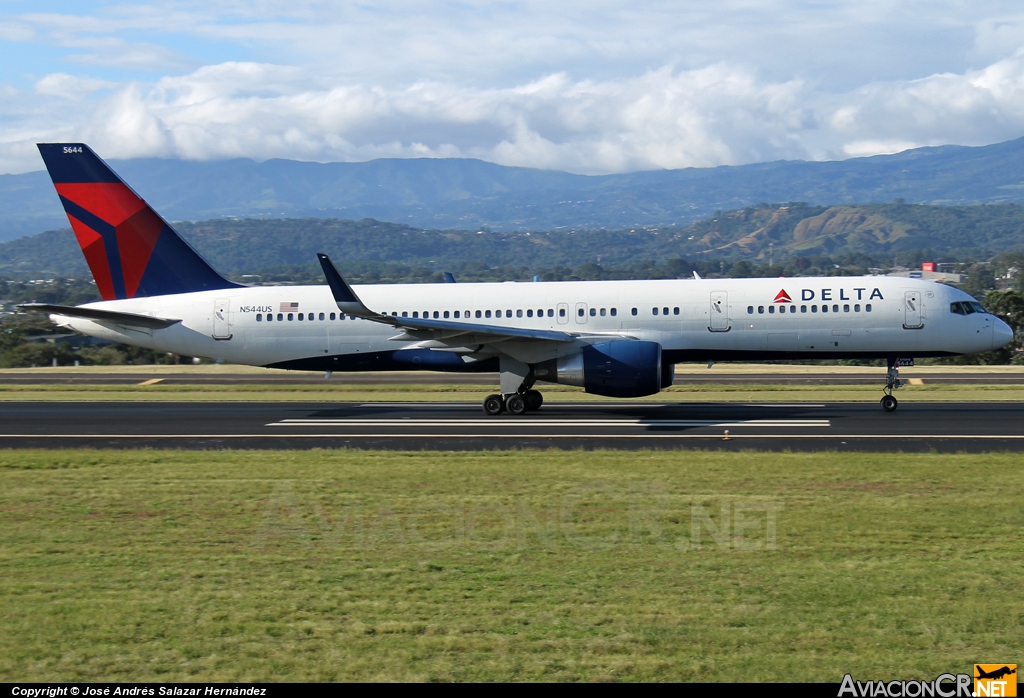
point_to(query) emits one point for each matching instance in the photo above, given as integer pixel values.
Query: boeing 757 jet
(618, 339)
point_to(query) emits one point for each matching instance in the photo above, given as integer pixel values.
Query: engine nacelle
(620, 368)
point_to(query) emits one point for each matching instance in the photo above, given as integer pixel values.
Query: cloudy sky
(590, 87)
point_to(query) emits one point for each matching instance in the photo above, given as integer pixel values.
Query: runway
(915, 427)
(284, 378)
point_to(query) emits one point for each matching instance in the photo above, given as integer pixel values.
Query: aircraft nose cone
(1002, 334)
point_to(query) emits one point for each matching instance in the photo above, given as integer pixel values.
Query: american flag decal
(289, 307)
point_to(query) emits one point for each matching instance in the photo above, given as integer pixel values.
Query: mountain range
(472, 195)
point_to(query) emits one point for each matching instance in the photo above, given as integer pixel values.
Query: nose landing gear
(893, 382)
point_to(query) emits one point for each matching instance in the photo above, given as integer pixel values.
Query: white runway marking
(547, 423)
(592, 405)
(716, 437)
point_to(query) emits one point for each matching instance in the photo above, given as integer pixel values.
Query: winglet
(696, 275)
(348, 302)
(449, 278)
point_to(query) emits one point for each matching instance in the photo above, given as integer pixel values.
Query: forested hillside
(864, 235)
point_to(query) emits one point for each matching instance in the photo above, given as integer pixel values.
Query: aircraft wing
(115, 316)
(427, 328)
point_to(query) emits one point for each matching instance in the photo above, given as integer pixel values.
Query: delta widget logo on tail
(783, 297)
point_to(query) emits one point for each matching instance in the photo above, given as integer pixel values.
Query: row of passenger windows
(308, 317)
(964, 308)
(803, 309)
(445, 314)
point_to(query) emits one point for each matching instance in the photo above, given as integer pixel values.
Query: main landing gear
(893, 382)
(514, 403)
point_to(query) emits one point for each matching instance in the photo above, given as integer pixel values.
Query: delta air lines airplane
(614, 338)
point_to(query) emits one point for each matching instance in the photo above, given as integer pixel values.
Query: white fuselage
(692, 319)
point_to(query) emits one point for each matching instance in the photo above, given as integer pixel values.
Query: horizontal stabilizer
(114, 316)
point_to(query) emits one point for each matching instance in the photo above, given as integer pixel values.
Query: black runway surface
(914, 427)
(285, 378)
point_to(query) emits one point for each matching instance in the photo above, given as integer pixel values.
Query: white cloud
(585, 86)
(71, 86)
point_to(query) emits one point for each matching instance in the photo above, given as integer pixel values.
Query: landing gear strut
(517, 394)
(893, 382)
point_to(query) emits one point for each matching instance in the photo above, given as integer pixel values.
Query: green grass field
(335, 565)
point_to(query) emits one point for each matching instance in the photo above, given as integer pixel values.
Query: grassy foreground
(337, 565)
(386, 392)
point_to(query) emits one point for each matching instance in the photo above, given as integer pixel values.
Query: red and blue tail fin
(130, 249)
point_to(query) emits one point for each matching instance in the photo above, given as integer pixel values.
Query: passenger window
(579, 312)
(321, 316)
(835, 308)
(602, 312)
(824, 308)
(529, 312)
(634, 311)
(664, 311)
(259, 317)
(508, 313)
(300, 317)
(540, 312)
(654, 311)
(446, 314)
(519, 313)
(856, 308)
(561, 312)
(332, 316)
(614, 312)
(814, 308)
(846, 308)
(486, 314)
(771, 309)
(551, 312)
(404, 314)
(867, 308)
(291, 316)
(760, 310)
(675, 311)
(456, 314)
(415, 313)
(803, 308)
(593, 312)
(750, 310)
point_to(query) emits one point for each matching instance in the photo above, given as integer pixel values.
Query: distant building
(930, 271)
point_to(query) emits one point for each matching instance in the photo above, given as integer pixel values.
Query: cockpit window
(966, 307)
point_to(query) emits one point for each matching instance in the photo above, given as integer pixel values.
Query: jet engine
(620, 368)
